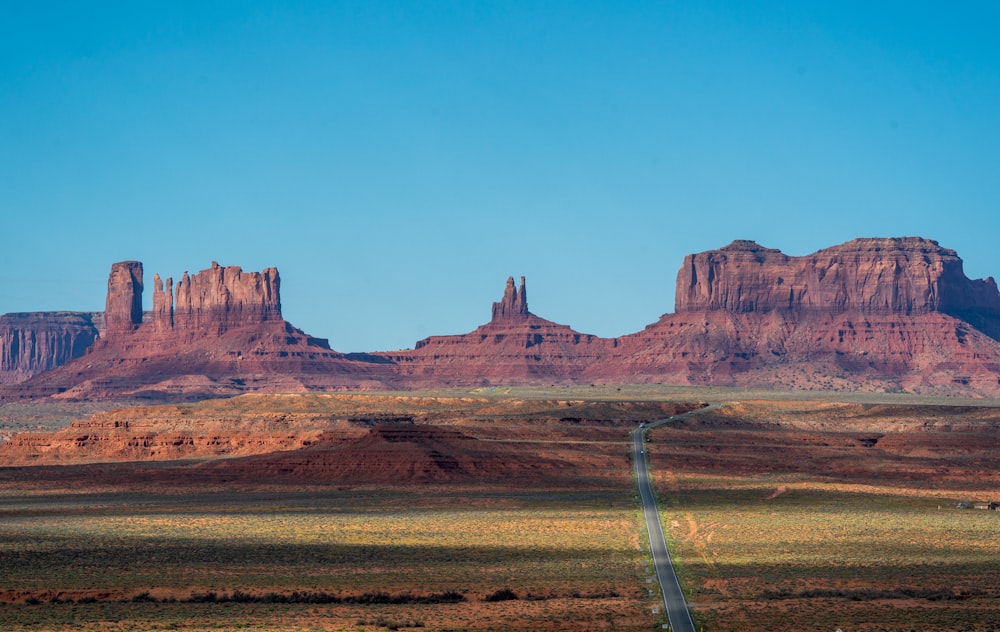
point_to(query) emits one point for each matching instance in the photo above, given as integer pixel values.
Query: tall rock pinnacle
(123, 307)
(163, 304)
(513, 305)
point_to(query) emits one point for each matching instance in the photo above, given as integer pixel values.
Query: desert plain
(501, 508)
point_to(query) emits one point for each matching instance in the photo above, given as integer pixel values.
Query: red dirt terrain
(320, 456)
(926, 447)
(345, 440)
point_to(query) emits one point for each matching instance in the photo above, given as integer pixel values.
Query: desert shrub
(209, 597)
(450, 596)
(504, 594)
(382, 622)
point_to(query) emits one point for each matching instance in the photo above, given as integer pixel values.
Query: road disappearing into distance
(673, 597)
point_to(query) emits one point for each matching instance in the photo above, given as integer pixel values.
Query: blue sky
(397, 161)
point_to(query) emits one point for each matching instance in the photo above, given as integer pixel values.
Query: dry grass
(801, 523)
(84, 541)
(789, 521)
(73, 560)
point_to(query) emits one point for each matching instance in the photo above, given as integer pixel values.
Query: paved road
(673, 598)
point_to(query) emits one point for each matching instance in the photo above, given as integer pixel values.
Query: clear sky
(397, 161)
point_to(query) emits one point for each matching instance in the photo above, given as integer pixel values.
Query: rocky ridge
(216, 300)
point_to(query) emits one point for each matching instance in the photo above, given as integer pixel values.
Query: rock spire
(513, 305)
(123, 306)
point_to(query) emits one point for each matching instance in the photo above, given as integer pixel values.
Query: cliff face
(34, 342)
(210, 302)
(224, 297)
(906, 275)
(871, 314)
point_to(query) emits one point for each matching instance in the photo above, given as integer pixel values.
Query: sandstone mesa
(873, 314)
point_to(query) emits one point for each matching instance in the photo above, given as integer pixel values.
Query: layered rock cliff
(908, 275)
(224, 297)
(210, 302)
(38, 341)
(871, 314)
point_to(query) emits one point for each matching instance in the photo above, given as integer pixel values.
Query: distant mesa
(33, 342)
(876, 314)
(907, 275)
(205, 304)
(872, 314)
(217, 299)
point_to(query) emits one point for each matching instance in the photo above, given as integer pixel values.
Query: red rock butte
(894, 314)
(219, 332)
(908, 275)
(516, 347)
(216, 300)
(874, 314)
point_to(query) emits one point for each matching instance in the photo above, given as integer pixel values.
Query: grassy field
(160, 561)
(814, 558)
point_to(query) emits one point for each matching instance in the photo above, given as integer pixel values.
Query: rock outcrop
(224, 297)
(908, 275)
(219, 332)
(514, 304)
(210, 302)
(893, 314)
(872, 314)
(515, 347)
(123, 307)
(163, 304)
(38, 341)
